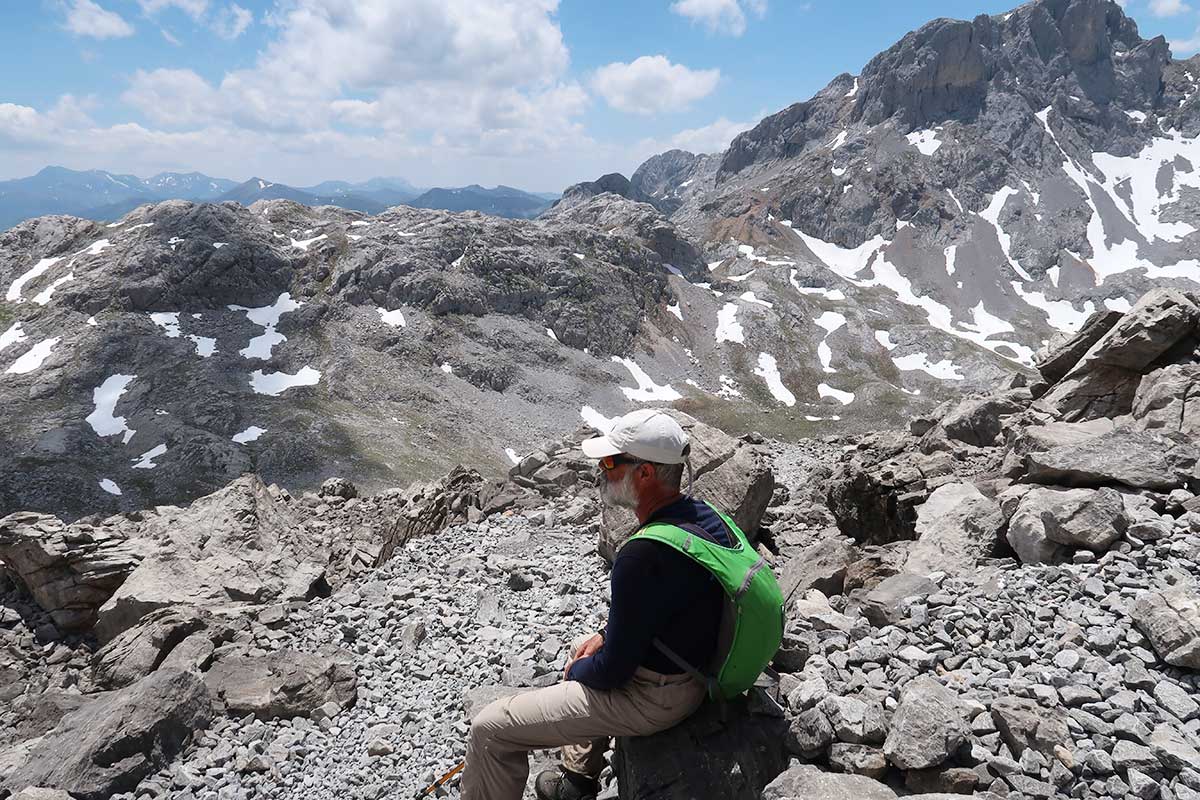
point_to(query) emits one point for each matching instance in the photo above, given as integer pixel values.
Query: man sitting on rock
(635, 677)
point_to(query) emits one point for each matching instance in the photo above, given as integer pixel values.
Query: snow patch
(13, 335)
(146, 461)
(34, 357)
(750, 298)
(885, 339)
(728, 328)
(168, 321)
(550, 333)
(304, 244)
(838, 140)
(446, 368)
(395, 317)
(1117, 304)
(249, 435)
(825, 390)
(43, 297)
(853, 89)
(205, 345)
(103, 419)
(512, 455)
(944, 369)
(266, 317)
(926, 141)
(276, 383)
(597, 420)
(110, 487)
(768, 370)
(37, 270)
(674, 309)
(729, 387)
(647, 390)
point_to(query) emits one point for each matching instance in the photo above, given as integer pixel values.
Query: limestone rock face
(108, 745)
(241, 545)
(70, 571)
(1139, 459)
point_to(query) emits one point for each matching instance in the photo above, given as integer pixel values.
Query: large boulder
(1157, 321)
(1170, 619)
(732, 474)
(875, 501)
(1168, 399)
(239, 546)
(179, 638)
(956, 527)
(1104, 381)
(1047, 519)
(1025, 439)
(109, 745)
(285, 683)
(977, 421)
(1139, 459)
(927, 727)
(704, 757)
(819, 566)
(1026, 532)
(1092, 392)
(69, 570)
(807, 782)
(1064, 351)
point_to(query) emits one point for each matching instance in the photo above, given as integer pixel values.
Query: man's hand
(588, 648)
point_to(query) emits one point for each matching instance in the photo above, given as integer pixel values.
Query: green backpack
(752, 620)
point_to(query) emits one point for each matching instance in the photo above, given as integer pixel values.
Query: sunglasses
(609, 463)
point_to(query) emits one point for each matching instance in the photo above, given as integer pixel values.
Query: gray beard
(620, 494)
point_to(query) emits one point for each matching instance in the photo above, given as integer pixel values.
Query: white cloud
(1168, 8)
(173, 97)
(193, 8)
(166, 34)
(440, 90)
(712, 138)
(232, 21)
(652, 84)
(720, 16)
(85, 18)
(1185, 47)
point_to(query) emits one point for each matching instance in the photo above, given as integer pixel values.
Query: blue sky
(534, 93)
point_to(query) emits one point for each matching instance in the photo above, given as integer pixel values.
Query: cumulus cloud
(1185, 47)
(652, 84)
(720, 16)
(193, 8)
(232, 21)
(86, 18)
(712, 138)
(1168, 8)
(173, 97)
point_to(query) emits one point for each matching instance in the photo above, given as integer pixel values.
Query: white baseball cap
(649, 434)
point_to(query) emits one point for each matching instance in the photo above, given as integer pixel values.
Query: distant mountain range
(105, 196)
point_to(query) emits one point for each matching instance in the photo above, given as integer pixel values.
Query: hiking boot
(562, 784)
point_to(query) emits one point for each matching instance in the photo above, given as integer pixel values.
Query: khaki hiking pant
(570, 715)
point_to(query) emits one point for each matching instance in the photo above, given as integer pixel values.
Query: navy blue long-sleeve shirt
(659, 592)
